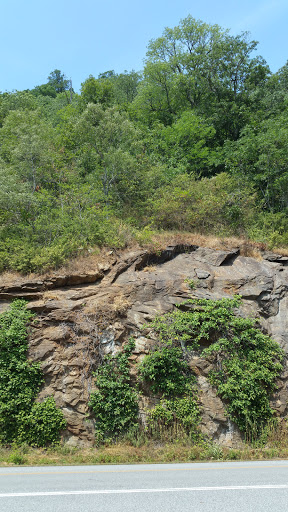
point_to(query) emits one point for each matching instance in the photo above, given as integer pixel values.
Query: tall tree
(260, 157)
(99, 90)
(108, 144)
(202, 67)
(27, 145)
(58, 81)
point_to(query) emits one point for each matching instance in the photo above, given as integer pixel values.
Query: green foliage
(218, 205)
(58, 81)
(197, 142)
(17, 458)
(97, 91)
(270, 228)
(42, 425)
(260, 156)
(185, 410)
(248, 364)
(174, 418)
(45, 90)
(191, 283)
(115, 401)
(200, 67)
(201, 320)
(166, 371)
(185, 144)
(75, 223)
(20, 380)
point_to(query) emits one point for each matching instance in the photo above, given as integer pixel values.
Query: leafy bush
(166, 371)
(115, 402)
(20, 380)
(211, 205)
(248, 364)
(176, 417)
(42, 425)
(200, 320)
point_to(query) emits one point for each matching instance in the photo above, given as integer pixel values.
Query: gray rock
(202, 274)
(90, 315)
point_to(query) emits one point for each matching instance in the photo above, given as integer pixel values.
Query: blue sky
(86, 37)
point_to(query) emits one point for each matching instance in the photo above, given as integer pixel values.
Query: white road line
(131, 491)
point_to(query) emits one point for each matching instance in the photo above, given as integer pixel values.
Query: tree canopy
(195, 141)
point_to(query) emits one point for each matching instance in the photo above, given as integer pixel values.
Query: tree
(58, 81)
(18, 100)
(26, 145)
(271, 97)
(200, 67)
(126, 86)
(99, 90)
(260, 157)
(215, 205)
(15, 197)
(108, 146)
(184, 146)
(45, 90)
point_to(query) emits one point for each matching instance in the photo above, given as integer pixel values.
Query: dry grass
(49, 295)
(86, 262)
(282, 250)
(141, 449)
(150, 268)
(11, 278)
(161, 240)
(121, 304)
(250, 251)
(154, 242)
(125, 453)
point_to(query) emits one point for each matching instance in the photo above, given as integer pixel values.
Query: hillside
(194, 142)
(144, 249)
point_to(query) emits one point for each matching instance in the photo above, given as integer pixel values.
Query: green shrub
(246, 362)
(215, 205)
(200, 320)
(175, 418)
(21, 420)
(17, 458)
(115, 402)
(166, 371)
(42, 425)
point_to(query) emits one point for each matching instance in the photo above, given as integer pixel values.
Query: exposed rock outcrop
(83, 316)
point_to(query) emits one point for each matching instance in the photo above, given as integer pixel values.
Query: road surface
(213, 487)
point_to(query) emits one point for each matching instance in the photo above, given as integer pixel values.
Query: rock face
(81, 317)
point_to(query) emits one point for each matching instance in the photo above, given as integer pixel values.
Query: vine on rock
(246, 362)
(115, 401)
(167, 373)
(21, 419)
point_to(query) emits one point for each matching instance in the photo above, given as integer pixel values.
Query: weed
(17, 458)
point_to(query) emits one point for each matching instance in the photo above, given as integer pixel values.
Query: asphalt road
(213, 487)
